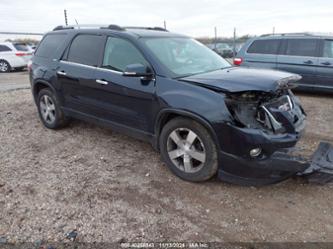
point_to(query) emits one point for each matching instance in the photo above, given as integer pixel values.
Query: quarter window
(120, 53)
(302, 47)
(85, 49)
(328, 49)
(264, 47)
(4, 48)
(49, 45)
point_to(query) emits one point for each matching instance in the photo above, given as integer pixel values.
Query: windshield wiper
(192, 74)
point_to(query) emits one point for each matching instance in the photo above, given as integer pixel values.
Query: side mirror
(137, 70)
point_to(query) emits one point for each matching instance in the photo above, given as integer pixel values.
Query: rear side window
(302, 47)
(21, 47)
(4, 48)
(328, 49)
(85, 49)
(49, 44)
(264, 47)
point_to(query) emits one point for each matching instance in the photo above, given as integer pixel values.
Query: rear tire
(188, 150)
(49, 110)
(4, 66)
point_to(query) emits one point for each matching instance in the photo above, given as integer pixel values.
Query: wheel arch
(39, 85)
(166, 115)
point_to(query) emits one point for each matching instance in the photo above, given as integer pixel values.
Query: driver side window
(120, 53)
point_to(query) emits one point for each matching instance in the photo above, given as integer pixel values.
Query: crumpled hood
(238, 79)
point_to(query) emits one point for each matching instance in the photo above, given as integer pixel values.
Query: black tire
(59, 120)
(19, 69)
(207, 169)
(4, 66)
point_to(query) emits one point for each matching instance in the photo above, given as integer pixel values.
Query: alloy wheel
(3, 66)
(186, 150)
(47, 109)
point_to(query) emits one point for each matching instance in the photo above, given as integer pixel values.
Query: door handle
(309, 62)
(102, 82)
(326, 63)
(62, 73)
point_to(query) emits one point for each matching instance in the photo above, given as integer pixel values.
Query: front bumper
(279, 166)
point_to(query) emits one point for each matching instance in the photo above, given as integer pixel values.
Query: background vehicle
(222, 49)
(13, 56)
(308, 55)
(204, 116)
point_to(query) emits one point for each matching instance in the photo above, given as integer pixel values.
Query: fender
(167, 111)
(43, 82)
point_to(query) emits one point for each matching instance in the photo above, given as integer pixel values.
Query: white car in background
(13, 56)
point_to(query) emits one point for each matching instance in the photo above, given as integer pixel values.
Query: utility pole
(234, 50)
(165, 25)
(273, 30)
(65, 14)
(215, 31)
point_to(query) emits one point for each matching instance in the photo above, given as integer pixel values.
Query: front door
(124, 100)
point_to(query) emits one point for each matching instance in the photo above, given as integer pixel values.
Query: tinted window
(328, 49)
(85, 49)
(49, 44)
(120, 53)
(302, 47)
(264, 47)
(4, 48)
(21, 47)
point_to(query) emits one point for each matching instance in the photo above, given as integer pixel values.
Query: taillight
(238, 61)
(20, 54)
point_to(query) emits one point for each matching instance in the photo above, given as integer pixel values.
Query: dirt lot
(110, 187)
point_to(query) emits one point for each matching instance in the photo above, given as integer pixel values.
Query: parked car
(13, 56)
(204, 116)
(223, 49)
(308, 55)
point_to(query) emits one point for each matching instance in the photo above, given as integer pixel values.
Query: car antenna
(77, 23)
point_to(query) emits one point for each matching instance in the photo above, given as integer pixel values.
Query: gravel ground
(110, 187)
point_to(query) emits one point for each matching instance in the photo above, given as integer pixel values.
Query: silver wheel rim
(186, 150)
(47, 109)
(3, 66)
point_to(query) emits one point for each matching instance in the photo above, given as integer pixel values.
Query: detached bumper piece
(320, 170)
(280, 166)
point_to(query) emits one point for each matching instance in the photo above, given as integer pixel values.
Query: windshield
(185, 56)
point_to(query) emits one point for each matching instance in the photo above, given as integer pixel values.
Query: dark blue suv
(204, 116)
(308, 55)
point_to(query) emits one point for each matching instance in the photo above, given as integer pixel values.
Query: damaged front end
(269, 124)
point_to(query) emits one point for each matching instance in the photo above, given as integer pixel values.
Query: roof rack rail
(111, 26)
(60, 27)
(284, 34)
(148, 28)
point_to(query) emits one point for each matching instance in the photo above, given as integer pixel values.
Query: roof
(133, 31)
(298, 35)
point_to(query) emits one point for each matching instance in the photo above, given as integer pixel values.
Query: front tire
(4, 66)
(188, 150)
(49, 110)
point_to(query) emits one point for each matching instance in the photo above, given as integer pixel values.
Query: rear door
(262, 54)
(77, 69)
(300, 56)
(325, 65)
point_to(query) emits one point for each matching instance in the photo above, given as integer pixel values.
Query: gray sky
(195, 18)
